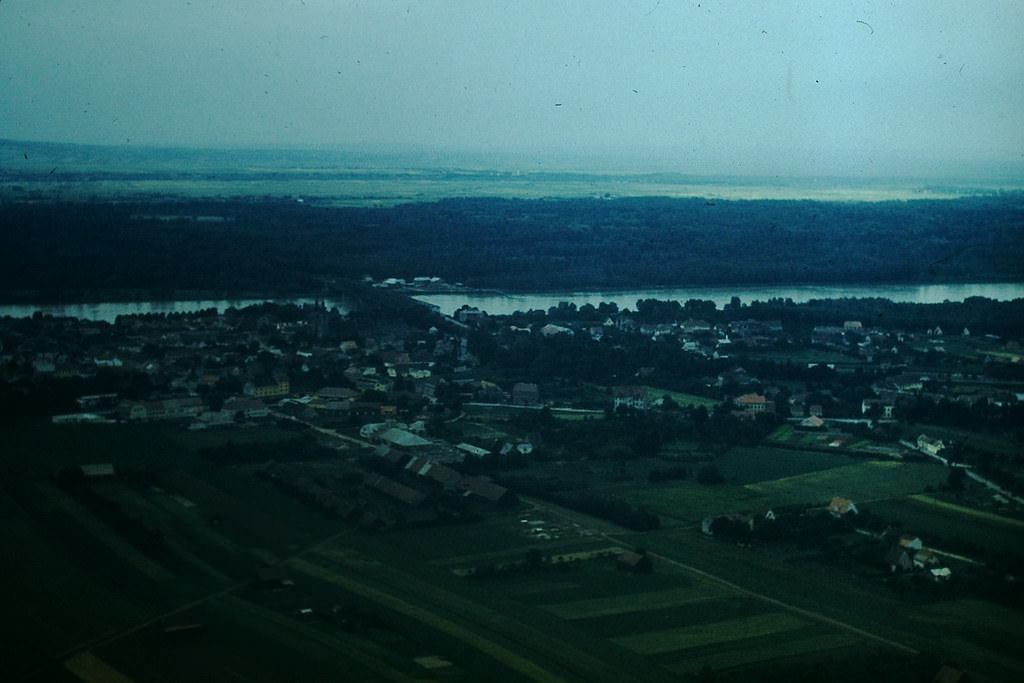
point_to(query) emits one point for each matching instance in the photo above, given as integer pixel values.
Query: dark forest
(278, 246)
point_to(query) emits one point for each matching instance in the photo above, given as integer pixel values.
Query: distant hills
(374, 175)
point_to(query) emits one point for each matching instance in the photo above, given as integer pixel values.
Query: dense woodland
(69, 250)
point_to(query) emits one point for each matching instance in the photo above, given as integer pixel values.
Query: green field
(687, 637)
(706, 619)
(79, 586)
(104, 534)
(689, 502)
(72, 580)
(943, 522)
(748, 465)
(970, 512)
(211, 438)
(42, 447)
(863, 481)
(783, 645)
(657, 599)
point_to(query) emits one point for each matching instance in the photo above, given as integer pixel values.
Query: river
(504, 304)
(109, 310)
(499, 304)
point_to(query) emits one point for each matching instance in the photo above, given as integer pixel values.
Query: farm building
(485, 489)
(812, 423)
(400, 438)
(525, 394)
(393, 489)
(472, 450)
(634, 563)
(840, 507)
(753, 404)
(929, 445)
(630, 397)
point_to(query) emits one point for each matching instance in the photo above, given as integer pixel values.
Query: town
(681, 441)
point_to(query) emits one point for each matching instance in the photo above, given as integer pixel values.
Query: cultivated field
(87, 601)
(862, 481)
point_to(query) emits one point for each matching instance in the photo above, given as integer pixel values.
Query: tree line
(277, 244)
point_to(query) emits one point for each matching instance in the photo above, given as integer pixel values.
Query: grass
(470, 637)
(970, 512)
(640, 602)
(242, 640)
(690, 502)
(555, 550)
(992, 630)
(103, 534)
(91, 669)
(63, 587)
(375, 659)
(489, 537)
(775, 648)
(42, 448)
(598, 580)
(747, 465)
(554, 559)
(942, 522)
(995, 618)
(211, 438)
(863, 481)
(686, 637)
(972, 656)
(71, 585)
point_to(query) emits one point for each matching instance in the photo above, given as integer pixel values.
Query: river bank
(508, 303)
(497, 303)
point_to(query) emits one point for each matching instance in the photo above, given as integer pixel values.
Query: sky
(815, 87)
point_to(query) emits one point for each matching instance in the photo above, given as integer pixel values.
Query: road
(324, 430)
(795, 609)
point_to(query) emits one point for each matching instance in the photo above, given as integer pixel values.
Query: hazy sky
(817, 86)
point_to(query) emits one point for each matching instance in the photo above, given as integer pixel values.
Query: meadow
(862, 481)
(941, 523)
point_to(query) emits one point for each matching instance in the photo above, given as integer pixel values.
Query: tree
(534, 559)
(710, 475)
(956, 479)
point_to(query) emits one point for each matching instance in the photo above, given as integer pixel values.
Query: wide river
(503, 304)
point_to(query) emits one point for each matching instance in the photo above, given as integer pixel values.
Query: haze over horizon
(822, 89)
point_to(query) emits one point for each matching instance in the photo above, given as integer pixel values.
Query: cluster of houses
(909, 554)
(837, 508)
(267, 353)
(905, 553)
(218, 368)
